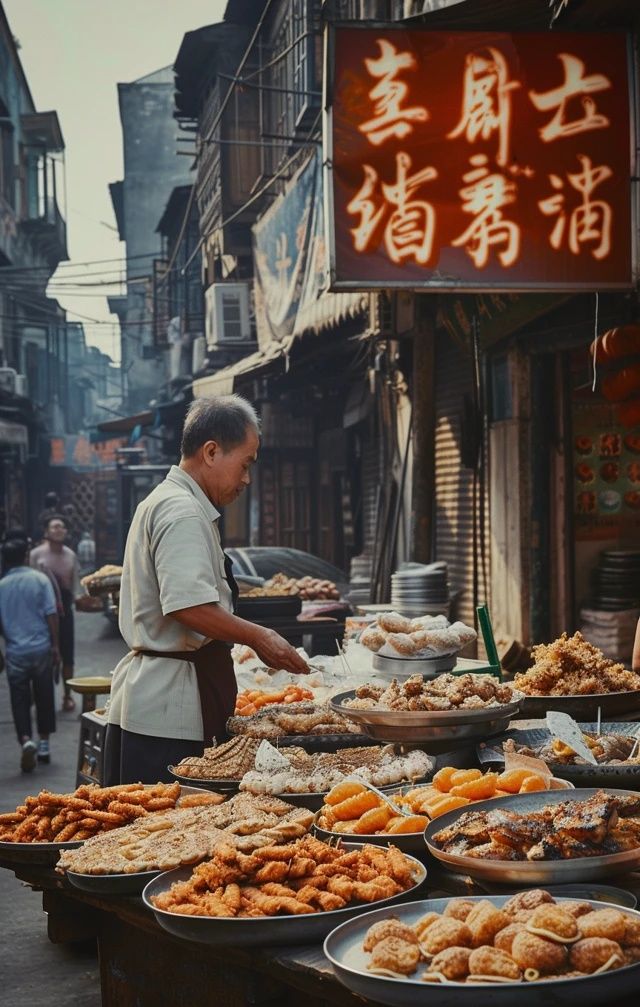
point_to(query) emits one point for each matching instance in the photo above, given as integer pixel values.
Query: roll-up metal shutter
(454, 483)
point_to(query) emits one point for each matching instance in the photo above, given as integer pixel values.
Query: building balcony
(48, 232)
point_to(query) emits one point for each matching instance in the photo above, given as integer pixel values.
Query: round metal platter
(343, 948)
(307, 928)
(436, 730)
(112, 884)
(611, 704)
(222, 786)
(314, 801)
(585, 892)
(408, 842)
(539, 872)
(37, 854)
(428, 667)
(582, 775)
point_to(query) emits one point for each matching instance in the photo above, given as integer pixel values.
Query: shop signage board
(478, 161)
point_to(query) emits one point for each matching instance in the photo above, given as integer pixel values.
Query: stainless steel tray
(541, 872)
(428, 667)
(343, 948)
(261, 931)
(603, 775)
(37, 854)
(112, 884)
(611, 704)
(221, 786)
(436, 730)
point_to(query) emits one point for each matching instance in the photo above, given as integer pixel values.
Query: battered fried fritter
(554, 923)
(452, 963)
(543, 956)
(609, 923)
(393, 955)
(391, 927)
(487, 962)
(595, 954)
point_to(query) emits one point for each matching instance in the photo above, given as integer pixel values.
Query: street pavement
(33, 971)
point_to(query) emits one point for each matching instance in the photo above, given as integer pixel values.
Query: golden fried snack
(394, 957)
(445, 932)
(576, 908)
(526, 901)
(443, 779)
(489, 964)
(537, 956)
(344, 790)
(610, 923)
(631, 931)
(355, 806)
(476, 790)
(410, 824)
(452, 964)
(459, 909)
(554, 923)
(484, 921)
(596, 954)
(374, 820)
(425, 922)
(391, 927)
(504, 938)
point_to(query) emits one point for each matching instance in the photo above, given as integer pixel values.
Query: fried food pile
(316, 774)
(570, 666)
(607, 749)
(446, 692)
(531, 937)
(601, 825)
(353, 810)
(296, 719)
(306, 876)
(252, 700)
(394, 635)
(453, 788)
(229, 761)
(64, 818)
(307, 588)
(188, 835)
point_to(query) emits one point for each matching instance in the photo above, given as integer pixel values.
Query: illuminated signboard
(478, 160)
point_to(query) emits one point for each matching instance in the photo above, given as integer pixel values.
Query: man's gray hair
(224, 419)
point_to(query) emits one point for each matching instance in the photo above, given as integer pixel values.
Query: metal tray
(541, 872)
(343, 948)
(112, 884)
(611, 704)
(308, 928)
(313, 743)
(428, 667)
(314, 801)
(222, 786)
(435, 730)
(36, 854)
(620, 897)
(409, 842)
(604, 775)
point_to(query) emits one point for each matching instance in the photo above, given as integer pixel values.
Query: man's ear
(209, 451)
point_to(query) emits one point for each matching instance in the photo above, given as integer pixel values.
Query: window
(7, 156)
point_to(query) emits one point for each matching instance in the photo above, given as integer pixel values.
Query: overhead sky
(74, 53)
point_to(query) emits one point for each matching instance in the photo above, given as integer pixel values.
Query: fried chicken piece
(472, 826)
(587, 821)
(596, 954)
(507, 828)
(490, 851)
(270, 905)
(394, 956)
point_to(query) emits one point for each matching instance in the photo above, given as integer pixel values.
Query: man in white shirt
(175, 689)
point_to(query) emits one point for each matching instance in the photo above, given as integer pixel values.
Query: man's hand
(274, 650)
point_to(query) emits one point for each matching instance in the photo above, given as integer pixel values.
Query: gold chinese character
(575, 84)
(591, 220)
(484, 196)
(390, 118)
(410, 227)
(486, 102)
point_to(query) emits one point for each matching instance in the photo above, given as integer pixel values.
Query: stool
(89, 688)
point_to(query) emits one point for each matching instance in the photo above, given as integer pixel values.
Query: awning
(13, 434)
(125, 424)
(223, 382)
(328, 310)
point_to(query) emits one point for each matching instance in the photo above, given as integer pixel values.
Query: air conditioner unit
(8, 379)
(227, 314)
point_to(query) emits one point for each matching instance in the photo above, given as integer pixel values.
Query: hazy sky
(74, 53)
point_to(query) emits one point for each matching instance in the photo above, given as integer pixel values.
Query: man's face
(56, 530)
(229, 473)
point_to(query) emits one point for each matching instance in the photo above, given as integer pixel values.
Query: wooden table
(141, 965)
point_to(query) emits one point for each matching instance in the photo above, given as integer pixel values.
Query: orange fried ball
(452, 963)
(610, 923)
(459, 909)
(484, 922)
(394, 955)
(487, 962)
(519, 906)
(593, 954)
(442, 779)
(391, 927)
(532, 952)
(503, 940)
(444, 933)
(425, 922)
(554, 923)
(576, 908)
(631, 930)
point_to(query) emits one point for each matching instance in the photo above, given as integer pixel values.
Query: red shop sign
(478, 160)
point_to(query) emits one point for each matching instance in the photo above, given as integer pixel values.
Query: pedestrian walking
(55, 558)
(51, 509)
(175, 689)
(29, 624)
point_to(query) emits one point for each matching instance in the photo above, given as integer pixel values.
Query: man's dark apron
(214, 671)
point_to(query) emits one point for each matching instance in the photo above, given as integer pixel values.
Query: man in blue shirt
(29, 624)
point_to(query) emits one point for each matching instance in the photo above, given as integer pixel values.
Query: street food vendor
(174, 690)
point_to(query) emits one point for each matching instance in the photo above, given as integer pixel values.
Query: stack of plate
(616, 580)
(420, 590)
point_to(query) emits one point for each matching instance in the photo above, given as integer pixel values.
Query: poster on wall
(477, 160)
(606, 474)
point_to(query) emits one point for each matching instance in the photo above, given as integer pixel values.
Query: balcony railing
(48, 230)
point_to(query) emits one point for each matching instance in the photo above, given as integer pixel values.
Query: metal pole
(424, 424)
